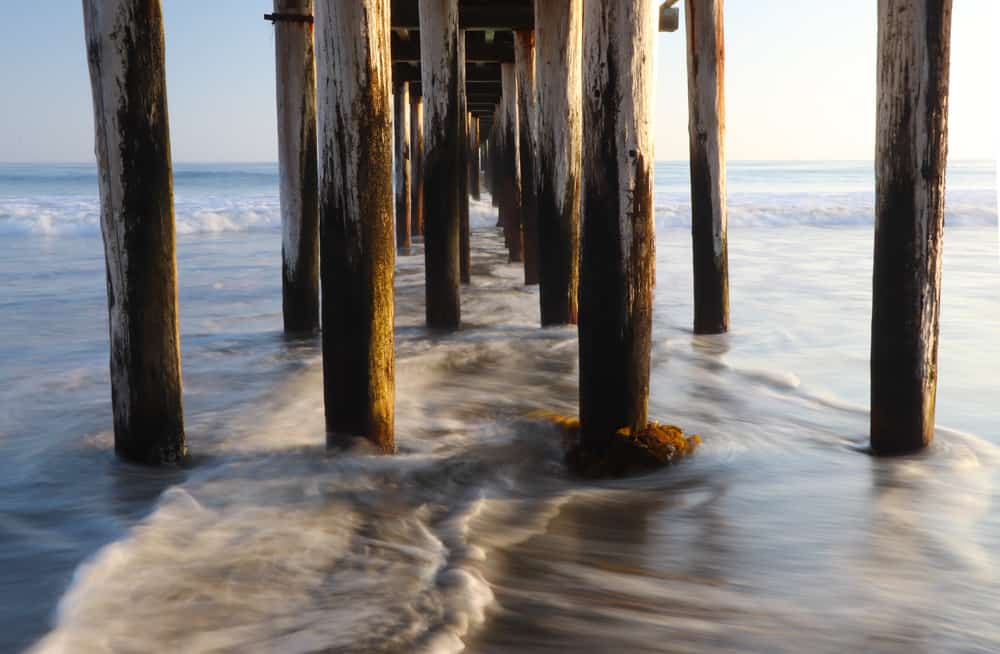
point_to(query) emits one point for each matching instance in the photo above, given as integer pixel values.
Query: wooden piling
(132, 144)
(296, 94)
(484, 159)
(499, 175)
(914, 42)
(356, 215)
(510, 175)
(475, 188)
(558, 43)
(707, 129)
(495, 148)
(404, 194)
(464, 243)
(618, 248)
(417, 165)
(524, 58)
(439, 64)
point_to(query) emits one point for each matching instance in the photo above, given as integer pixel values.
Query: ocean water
(779, 535)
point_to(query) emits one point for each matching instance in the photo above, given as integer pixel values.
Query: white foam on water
(61, 217)
(66, 217)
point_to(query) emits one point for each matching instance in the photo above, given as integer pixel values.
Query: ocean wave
(963, 209)
(79, 216)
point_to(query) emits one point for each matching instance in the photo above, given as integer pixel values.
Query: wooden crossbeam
(480, 15)
(472, 89)
(406, 47)
(474, 73)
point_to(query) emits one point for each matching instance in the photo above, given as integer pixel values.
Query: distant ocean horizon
(61, 199)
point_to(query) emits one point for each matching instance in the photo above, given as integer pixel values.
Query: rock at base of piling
(655, 446)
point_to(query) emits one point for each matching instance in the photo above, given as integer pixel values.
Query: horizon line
(275, 162)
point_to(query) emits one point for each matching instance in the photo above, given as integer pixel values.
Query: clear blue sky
(800, 81)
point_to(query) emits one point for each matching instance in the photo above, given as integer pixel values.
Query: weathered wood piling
(417, 165)
(440, 79)
(558, 45)
(707, 128)
(356, 213)
(475, 187)
(404, 193)
(464, 238)
(295, 79)
(510, 175)
(524, 58)
(618, 247)
(914, 41)
(496, 148)
(484, 157)
(492, 166)
(125, 51)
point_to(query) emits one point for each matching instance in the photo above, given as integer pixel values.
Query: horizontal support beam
(481, 15)
(474, 73)
(406, 47)
(482, 98)
(471, 88)
(482, 73)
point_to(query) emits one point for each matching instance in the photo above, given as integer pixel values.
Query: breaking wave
(78, 216)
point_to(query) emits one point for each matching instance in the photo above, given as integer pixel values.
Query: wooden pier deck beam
(558, 27)
(417, 165)
(914, 39)
(125, 52)
(439, 62)
(524, 58)
(618, 247)
(297, 163)
(707, 129)
(404, 192)
(511, 166)
(356, 213)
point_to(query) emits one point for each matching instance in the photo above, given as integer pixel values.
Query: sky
(800, 81)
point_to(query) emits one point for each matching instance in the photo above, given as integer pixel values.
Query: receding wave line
(78, 215)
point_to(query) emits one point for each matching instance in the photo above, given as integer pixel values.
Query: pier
(549, 101)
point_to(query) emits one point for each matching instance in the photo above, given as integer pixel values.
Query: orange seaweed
(654, 446)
